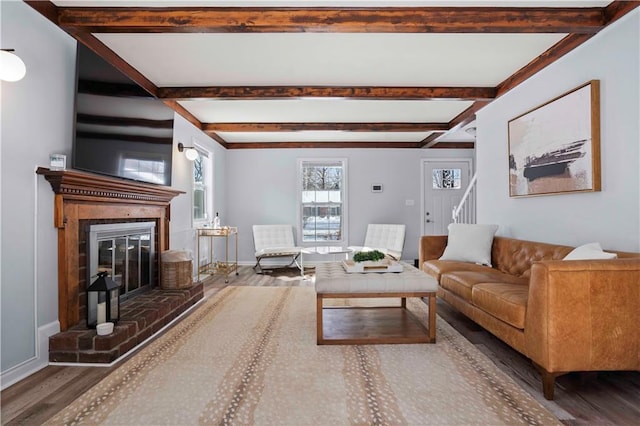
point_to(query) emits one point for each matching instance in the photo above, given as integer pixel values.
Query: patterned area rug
(248, 356)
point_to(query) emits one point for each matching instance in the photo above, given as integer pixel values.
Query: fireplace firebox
(126, 252)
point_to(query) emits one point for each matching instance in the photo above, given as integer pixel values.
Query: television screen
(120, 130)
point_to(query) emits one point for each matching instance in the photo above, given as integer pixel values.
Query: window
(447, 179)
(322, 200)
(202, 184)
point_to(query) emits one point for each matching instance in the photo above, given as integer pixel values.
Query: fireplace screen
(126, 252)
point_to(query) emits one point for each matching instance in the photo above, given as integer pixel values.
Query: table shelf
(223, 267)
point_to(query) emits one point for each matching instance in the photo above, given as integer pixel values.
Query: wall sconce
(12, 68)
(190, 152)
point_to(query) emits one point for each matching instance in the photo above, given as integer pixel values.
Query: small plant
(363, 256)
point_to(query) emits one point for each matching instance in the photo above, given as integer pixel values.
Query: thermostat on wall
(376, 187)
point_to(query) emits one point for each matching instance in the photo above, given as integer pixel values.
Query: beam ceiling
(578, 23)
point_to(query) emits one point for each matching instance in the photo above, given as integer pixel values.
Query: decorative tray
(384, 265)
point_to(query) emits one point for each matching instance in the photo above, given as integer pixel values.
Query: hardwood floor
(580, 399)
(611, 397)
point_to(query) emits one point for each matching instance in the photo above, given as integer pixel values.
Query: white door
(444, 183)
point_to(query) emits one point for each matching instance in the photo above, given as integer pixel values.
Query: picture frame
(555, 147)
(57, 162)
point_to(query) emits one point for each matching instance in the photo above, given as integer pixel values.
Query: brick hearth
(140, 318)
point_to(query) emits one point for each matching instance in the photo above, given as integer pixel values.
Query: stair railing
(465, 212)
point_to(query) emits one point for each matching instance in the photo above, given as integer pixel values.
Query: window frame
(343, 241)
(206, 157)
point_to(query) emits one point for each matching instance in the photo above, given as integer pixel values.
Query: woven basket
(176, 275)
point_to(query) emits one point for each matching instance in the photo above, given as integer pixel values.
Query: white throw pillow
(589, 251)
(470, 243)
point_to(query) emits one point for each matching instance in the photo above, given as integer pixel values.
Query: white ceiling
(319, 110)
(328, 59)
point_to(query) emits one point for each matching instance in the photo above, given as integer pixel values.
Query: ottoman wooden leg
(319, 336)
(432, 318)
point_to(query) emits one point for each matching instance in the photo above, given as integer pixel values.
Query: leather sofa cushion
(436, 268)
(515, 257)
(505, 301)
(461, 282)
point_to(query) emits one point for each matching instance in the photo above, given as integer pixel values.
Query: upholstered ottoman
(373, 325)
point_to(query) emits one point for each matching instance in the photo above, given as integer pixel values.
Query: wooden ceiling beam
(617, 9)
(432, 137)
(614, 11)
(356, 92)
(52, 12)
(551, 55)
(331, 19)
(351, 127)
(216, 137)
(332, 144)
(454, 145)
(115, 60)
(183, 112)
(466, 116)
(458, 122)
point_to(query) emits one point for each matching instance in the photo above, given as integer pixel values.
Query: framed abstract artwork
(555, 148)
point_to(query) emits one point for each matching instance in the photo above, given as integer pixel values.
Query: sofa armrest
(431, 247)
(582, 315)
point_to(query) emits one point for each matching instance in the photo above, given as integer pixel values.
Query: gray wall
(37, 117)
(612, 216)
(262, 190)
(182, 233)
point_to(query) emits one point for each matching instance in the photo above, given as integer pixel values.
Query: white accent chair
(272, 241)
(387, 238)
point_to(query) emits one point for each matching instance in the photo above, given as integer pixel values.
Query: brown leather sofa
(566, 316)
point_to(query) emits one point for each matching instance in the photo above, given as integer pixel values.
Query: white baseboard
(38, 362)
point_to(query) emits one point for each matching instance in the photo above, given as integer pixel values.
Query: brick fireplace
(82, 200)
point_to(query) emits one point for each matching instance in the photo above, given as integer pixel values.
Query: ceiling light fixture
(190, 152)
(471, 131)
(12, 68)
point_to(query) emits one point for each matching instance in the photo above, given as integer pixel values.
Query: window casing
(202, 189)
(322, 203)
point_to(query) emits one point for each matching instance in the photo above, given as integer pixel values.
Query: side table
(220, 267)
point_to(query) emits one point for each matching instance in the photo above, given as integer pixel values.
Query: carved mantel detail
(81, 196)
(79, 185)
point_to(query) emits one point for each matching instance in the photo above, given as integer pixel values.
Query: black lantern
(103, 301)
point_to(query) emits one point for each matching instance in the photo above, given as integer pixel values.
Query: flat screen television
(120, 130)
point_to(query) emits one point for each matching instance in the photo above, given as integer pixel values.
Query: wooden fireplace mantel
(85, 196)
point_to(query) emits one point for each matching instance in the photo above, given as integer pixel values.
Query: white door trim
(423, 166)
